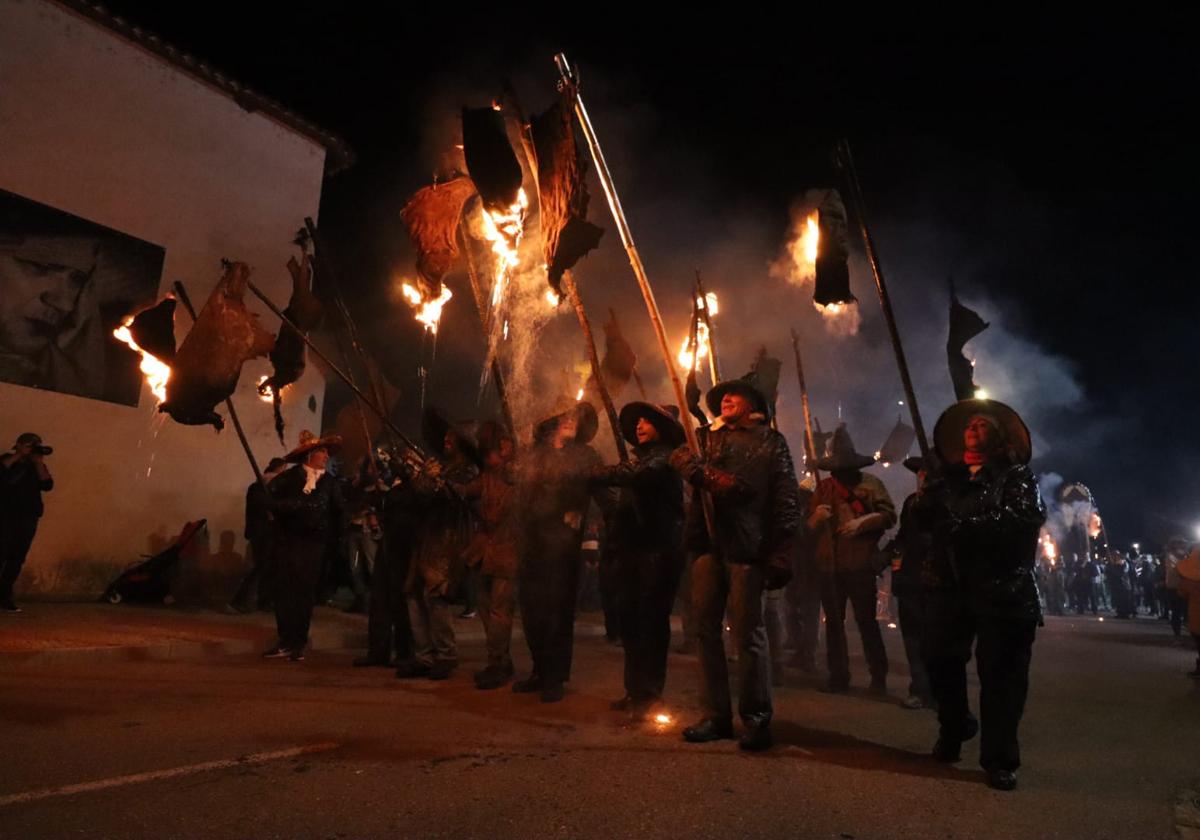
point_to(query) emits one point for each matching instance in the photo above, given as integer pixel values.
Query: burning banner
(287, 356)
(965, 324)
(209, 362)
(491, 162)
(151, 333)
(818, 251)
(832, 268)
(562, 195)
(432, 217)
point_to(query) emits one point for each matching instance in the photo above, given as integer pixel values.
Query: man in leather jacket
(309, 515)
(646, 539)
(986, 514)
(756, 520)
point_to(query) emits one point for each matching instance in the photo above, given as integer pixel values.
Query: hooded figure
(848, 513)
(646, 539)
(553, 499)
(755, 517)
(986, 514)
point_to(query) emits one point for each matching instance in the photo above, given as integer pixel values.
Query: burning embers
(151, 334)
(503, 229)
(705, 305)
(1049, 548)
(818, 252)
(428, 310)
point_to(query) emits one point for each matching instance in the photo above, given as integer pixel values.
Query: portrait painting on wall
(65, 284)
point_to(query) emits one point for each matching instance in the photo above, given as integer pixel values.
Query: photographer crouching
(23, 479)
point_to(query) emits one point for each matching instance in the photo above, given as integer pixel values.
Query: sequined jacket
(985, 533)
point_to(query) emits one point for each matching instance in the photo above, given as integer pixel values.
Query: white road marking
(155, 775)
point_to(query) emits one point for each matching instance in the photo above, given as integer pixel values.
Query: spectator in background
(24, 476)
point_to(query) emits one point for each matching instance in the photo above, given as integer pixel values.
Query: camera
(42, 450)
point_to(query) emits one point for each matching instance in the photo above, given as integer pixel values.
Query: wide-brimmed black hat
(589, 422)
(736, 386)
(840, 454)
(491, 433)
(948, 432)
(914, 463)
(434, 428)
(664, 418)
(330, 443)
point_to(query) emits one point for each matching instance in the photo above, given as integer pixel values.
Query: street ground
(205, 740)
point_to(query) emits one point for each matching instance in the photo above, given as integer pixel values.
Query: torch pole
(635, 260)
(810, 439)
(412, 447)
(182, 294)
(845, 162)
(568, 286)
(714, 367)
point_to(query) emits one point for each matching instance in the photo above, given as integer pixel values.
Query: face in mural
(41, 288)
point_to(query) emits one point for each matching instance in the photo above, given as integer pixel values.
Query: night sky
(1047, 171)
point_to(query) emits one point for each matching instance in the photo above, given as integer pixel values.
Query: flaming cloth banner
(567, 236)
(965, 324)
(432, 217)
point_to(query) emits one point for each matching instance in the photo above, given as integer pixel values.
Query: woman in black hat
(986, 514)
(647, 540)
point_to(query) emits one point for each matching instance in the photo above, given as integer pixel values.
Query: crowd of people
(758, 559)
(759, 554)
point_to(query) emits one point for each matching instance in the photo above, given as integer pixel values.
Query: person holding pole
(747, 469)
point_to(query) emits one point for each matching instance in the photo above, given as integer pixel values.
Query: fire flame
(1095, 525)
(1049, 549)
(504, 229)
(579, 395)
(157, 372)
(702, 347)
(265, 392)
(552, 298)
(662, 719)
(810, 240)
(429, 312)
(709, 302)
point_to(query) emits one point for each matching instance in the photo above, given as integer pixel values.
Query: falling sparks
(428, 312)
(503, 229)
(157, 372)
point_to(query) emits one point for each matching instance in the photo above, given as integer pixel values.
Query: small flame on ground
(429, 312)
(157, 372)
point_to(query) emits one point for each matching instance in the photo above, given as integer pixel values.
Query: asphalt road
(239, 747)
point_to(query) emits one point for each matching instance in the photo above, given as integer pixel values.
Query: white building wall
(96, 126)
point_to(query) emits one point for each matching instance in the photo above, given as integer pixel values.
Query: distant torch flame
(157, 372)
(265, 392)
(662, 719)
(429, 312)
(1095, 525)
(1049, 549)
(579, 395)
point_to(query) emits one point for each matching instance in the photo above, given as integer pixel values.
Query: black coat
(21, 490)
(756, 499)
(985, 534)
(319, 516)
(649, 508)
(914, 542)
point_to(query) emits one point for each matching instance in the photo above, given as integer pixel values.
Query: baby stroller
(149, 581)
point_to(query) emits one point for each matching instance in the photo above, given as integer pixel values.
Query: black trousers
(804, 613)
(1002, 653)
(388, 625)
(16, 535)
(297, 574)
(258, 580)
(912, 628)
(859, 589)
(549, 587)
(646, 586)
(609, 580)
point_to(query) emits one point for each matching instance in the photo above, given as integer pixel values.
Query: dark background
(1045, 167)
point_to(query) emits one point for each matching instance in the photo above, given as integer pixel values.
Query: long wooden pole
(412, 447)
(809, 437)
(569, 287)
(635, 260)
(845, 162)
(182, 294)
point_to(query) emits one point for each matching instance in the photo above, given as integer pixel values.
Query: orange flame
(1095, 525)
(265, 392)
(429, 312)
(157, 373)
(552, 298)
(1049, 549)
(504, 231)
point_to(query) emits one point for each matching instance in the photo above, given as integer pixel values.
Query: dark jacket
(757, 515)
(866, 496)
(258, 512)
(553, 497)
(649, 507)
(494, 546)
(445, 522)
(21, 490)
(913, 543)
(319, 516)
(985, 531)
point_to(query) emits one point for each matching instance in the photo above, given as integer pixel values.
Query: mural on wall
(65, 285)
